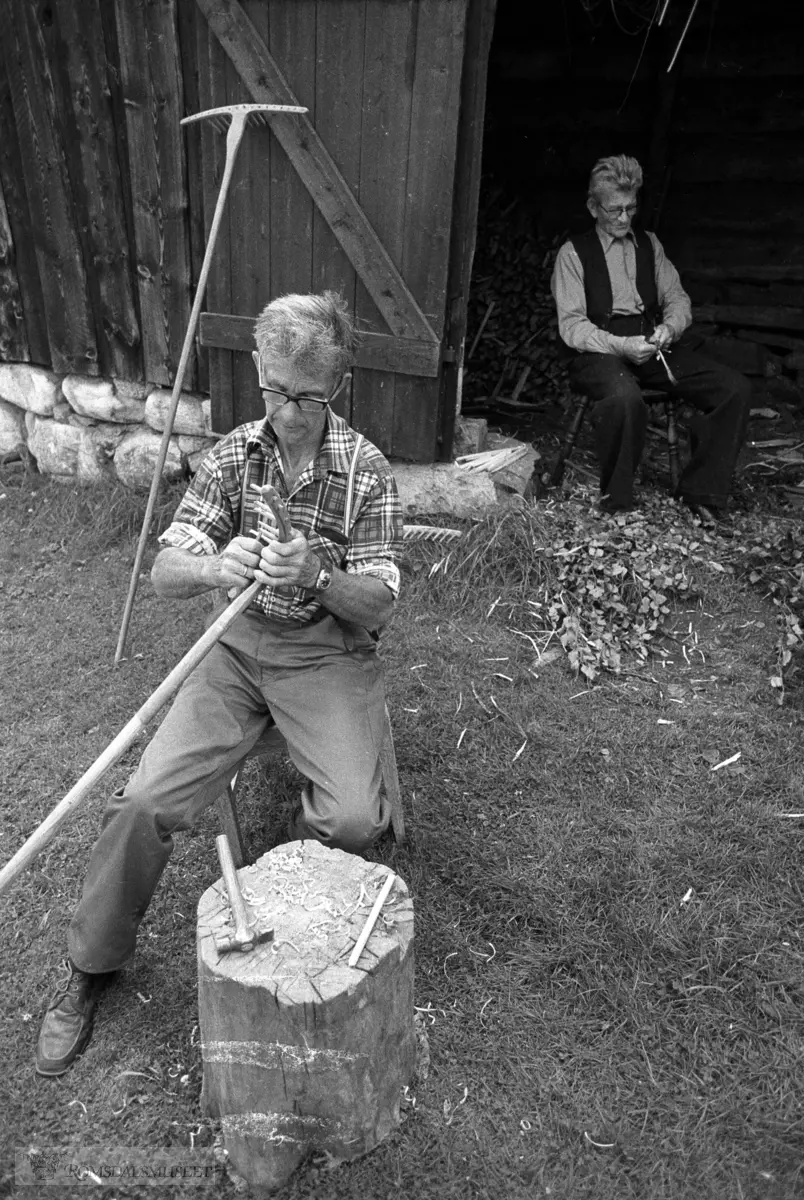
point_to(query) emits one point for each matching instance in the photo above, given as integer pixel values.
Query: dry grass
(609, 945)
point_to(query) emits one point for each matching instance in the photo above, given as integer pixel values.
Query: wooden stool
(301, 1051)
(556, 473)
(270, 742)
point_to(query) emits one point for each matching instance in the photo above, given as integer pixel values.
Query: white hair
(618, 170)
(314, 330)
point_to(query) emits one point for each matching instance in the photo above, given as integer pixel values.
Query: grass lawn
(609, 923)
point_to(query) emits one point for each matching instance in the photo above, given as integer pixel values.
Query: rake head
(222, 118)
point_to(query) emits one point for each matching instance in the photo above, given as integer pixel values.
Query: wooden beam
(306, 151)
(78, 54)
(61, 267)
(26, 270)
(468, 166)
(149, 68)
(377, 352)
(764, 316)
(749, 273)
(13, 342)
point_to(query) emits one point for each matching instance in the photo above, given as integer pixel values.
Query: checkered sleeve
(205, 520)
(376, 541)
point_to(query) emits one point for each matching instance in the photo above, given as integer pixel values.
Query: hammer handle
(243, 935)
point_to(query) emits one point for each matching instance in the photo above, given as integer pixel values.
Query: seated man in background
(620, 302)
(302, 654)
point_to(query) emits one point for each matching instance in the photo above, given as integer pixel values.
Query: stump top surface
(316, 900)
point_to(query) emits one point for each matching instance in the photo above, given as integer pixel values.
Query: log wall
(94, 247)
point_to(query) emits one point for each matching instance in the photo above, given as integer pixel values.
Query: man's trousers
(721, 395)
(322, 685)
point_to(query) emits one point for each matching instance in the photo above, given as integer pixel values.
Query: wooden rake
(231, 120)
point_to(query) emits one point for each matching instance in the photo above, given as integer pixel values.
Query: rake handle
(233, 138)
(127, 735)
(239, 117)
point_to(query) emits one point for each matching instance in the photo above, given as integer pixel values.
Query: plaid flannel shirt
(209, 515)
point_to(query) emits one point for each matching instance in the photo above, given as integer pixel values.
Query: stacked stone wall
(83, 429)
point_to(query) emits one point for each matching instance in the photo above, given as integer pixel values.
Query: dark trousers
(324, 689)
(721, 395)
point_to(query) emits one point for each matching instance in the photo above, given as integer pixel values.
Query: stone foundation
(83, 429)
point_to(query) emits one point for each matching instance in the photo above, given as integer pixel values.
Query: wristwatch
(323, 579)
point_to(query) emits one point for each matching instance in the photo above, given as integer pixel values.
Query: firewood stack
(513, 366)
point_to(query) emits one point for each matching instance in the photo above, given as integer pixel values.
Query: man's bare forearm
(178, 574)
(361, 599)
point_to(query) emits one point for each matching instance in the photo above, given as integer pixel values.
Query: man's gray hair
(618, 170)
(316, 331)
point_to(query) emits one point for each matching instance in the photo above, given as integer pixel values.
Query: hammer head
(224, 945)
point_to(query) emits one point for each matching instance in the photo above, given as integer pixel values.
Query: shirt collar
(606, 239)
(335, 452)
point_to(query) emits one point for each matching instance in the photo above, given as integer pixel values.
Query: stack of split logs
(512, 360)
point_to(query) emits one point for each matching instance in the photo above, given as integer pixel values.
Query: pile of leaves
(770, 558)
(606, 587)
(613, 590)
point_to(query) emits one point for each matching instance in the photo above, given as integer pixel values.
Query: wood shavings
(728, 761)
(491, 460)
(598, 1145)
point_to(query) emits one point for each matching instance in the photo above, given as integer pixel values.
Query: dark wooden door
(357, 195)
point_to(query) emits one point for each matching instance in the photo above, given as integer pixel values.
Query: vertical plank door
(375, 158)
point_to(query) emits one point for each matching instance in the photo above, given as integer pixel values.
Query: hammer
(244, 938)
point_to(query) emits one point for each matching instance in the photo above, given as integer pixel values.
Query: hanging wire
(639, 60)
(619, 24)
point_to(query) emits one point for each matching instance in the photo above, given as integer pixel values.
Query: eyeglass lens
(305, 403)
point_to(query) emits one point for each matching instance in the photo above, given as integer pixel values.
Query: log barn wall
(94, 235)
(719, 139)
(106, 200)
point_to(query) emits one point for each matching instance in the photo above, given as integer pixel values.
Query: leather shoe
(67, 1026)
(607, 505)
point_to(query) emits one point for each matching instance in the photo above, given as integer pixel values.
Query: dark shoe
(67, 1026)
(607, 505)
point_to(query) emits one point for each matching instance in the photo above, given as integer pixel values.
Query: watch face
(324, 579)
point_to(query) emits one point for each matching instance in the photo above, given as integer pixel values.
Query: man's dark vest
(598, 285)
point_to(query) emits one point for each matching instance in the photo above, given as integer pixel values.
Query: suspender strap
(243, 494)
(350, 487)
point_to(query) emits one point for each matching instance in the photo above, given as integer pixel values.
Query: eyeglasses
(308, 404)
(628, 209)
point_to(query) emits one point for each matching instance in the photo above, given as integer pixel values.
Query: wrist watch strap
(323, 579)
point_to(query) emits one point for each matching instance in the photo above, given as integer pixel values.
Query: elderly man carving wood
(304, 654)
(620, 302)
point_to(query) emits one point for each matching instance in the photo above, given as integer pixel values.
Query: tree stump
(302, 1052)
